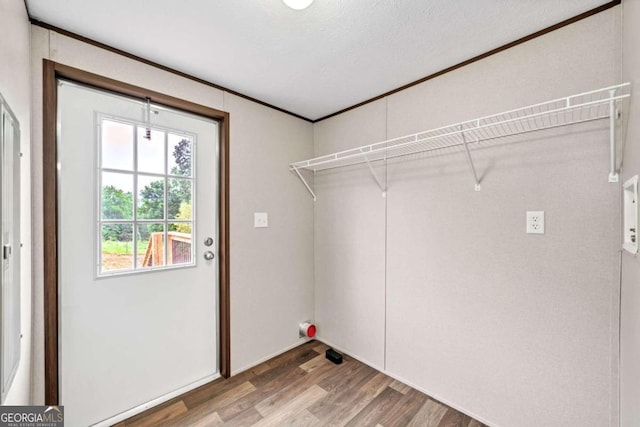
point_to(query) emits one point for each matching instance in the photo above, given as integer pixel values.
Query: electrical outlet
(260, 220)
(535, 222)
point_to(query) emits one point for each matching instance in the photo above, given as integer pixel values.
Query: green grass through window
(122, 248)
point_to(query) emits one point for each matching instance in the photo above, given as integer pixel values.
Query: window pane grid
(157, 233)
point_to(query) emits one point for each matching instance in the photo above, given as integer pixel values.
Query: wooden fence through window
(178, 249)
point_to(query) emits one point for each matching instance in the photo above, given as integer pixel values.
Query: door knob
(208, 241)
(208, 255)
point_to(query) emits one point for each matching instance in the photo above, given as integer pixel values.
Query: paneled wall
(439, 285)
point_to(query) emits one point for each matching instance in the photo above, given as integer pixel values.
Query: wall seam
(386, 230)
(619, 336)
(617, 411)
(313, 225)
(616, 324)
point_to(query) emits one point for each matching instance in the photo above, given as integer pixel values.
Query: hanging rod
(580, 108)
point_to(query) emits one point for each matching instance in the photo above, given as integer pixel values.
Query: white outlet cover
(260, 219)
(535, 222)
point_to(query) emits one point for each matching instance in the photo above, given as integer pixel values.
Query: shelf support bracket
(304, 181)
(375, 177)
(470, 159)
(613, 174)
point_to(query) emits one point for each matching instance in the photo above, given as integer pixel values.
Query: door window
(145, 201)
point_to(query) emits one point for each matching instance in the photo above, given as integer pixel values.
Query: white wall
(349, 240)
(514, 329)
(15, 86)
(630, 316)
(271, 269)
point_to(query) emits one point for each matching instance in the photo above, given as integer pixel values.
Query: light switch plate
(535, 222)
(260, 219)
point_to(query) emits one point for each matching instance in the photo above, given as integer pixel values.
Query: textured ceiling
(313, 62)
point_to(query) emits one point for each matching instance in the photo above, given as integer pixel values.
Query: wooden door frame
(52, 71)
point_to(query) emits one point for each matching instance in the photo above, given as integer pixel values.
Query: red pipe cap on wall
(311, 331)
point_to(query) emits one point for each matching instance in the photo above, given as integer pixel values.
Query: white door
(138, 300)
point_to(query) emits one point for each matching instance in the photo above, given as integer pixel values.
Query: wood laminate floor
(302, 388)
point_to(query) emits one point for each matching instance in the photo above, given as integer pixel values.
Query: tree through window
(146, 197)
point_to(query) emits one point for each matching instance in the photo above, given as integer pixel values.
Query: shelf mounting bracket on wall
(613, 115)
(304, 181)
(375, 176)
(470, 159)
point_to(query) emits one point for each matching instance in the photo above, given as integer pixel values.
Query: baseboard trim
(350, 354)
(431, 395)
(435, 396)
(155, 402)
(264, 359)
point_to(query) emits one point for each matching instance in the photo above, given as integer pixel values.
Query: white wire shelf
(584, 107)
